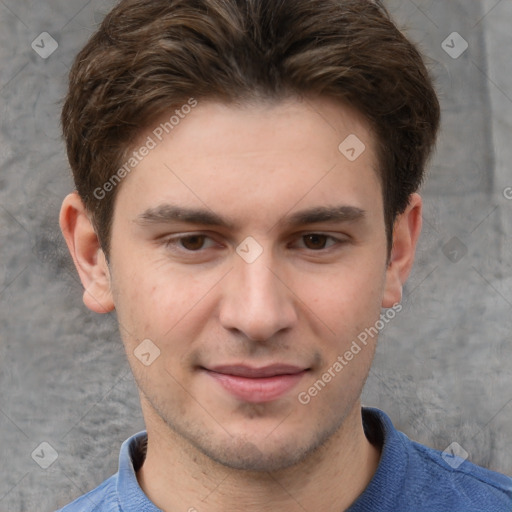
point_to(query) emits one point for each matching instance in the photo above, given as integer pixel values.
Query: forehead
(246, 157)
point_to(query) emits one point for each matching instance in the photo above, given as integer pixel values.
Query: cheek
(162, 307)
(156, 300)
(348, 300)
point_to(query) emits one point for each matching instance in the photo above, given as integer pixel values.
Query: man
(246, 175)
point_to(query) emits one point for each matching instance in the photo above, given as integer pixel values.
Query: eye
(319, 241)
(191, 243)
(196, 242)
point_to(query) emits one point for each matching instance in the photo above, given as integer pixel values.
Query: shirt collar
(130, 496)
(389, 479)
(378, 429)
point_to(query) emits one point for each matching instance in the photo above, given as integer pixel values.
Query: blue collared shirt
(410, 478)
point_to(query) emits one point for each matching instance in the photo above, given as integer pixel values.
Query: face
(251, 252)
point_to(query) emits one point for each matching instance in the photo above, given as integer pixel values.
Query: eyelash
(172, 243)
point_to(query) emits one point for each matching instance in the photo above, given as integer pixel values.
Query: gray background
(442, 371)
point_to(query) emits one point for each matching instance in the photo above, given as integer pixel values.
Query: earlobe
(88, 257)
(406, 231)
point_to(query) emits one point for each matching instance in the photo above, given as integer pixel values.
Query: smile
(257, 385)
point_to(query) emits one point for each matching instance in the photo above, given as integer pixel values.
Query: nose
(257, 301)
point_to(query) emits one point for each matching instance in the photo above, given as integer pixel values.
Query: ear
(85, 249)
(406, 231)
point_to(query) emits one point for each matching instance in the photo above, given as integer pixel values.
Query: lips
(255, 373)
(256, 385)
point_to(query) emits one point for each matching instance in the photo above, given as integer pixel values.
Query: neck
(330, 479)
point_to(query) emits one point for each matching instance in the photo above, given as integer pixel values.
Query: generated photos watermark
(304, 397)
(152, 141)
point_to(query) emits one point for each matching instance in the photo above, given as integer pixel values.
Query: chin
(247, 456)
(265, 454)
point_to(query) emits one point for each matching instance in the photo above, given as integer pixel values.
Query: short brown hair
(150, 56)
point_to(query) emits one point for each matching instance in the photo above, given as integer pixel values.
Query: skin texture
(302, 302)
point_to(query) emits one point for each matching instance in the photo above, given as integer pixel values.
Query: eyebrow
(168, 213)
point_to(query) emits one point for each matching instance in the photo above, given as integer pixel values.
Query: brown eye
(186, 244)
(315, 241)
(319, 242)
(193, 242)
